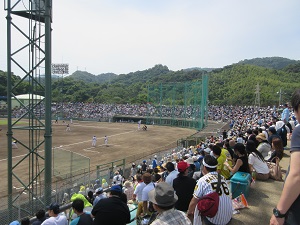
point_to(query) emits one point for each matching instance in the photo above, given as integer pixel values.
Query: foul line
(70, 145)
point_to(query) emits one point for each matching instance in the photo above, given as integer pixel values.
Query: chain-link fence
(178, 104)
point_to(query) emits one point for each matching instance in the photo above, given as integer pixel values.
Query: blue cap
(116, 188)
(144, 161)
(55, 207)
(272, 130)
(99, 190)
(15, 223)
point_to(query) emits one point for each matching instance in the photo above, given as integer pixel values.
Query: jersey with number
(208, 184)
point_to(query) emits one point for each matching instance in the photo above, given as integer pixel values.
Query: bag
(150, 205)
(282, 132)
(208, 205)
(275, 170)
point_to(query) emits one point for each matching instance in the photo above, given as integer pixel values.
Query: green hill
(236, 84)
(91, 78)
(232, 85)
(269, 62)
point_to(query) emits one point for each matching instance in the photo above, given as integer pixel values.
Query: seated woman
(264, 146)
(257, 162)
(276, 151)
(242, 160)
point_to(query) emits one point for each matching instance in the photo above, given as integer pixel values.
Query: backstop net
(178, 104)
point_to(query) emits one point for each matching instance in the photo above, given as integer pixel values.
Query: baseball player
(94, 141)
(139, 124)
(68, 127)
(106, 140)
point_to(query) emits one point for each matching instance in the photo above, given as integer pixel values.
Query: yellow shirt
(221, 159)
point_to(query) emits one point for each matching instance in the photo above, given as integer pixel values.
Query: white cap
(207, 150)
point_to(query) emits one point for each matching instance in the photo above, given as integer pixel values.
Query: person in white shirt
(94, 141)
(172, 173)
(147, 178)
(257, 162)
(55, 217)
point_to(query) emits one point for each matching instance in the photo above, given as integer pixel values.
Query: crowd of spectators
(254, 137)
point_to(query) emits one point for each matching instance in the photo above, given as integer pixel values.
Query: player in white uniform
(68, 127)
(94, 141)
(205, 185)
(139, 124)
(105, 140)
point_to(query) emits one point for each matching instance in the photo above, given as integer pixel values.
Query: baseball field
(124, 140)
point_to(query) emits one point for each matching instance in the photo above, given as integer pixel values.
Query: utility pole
(280, 97)
(257, 95)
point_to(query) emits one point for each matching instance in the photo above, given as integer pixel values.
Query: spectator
(55, 217)
(172, 173)
(147, 178)
(117, 179)
(137, 194)
(196, 163)
(206, 185)
(272, 134)
(111, 210)
(144, 166)
(40, 216)
(288, 207)
(128, 190)
(99, 195)
(90, 197)
(184, 187)
(104, 184)
(277, 150)
(87, 205)
(241, 164)
(264, 146)
(83, 218)
(25, 221)
(156, 175)
(221, 158)
(192, 167)
(257, 162)
(164, 199)
(133, 170)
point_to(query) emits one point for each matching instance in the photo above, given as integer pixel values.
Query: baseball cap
(116, 188)
(272, 130)
(99, 190)
(182, 166)
(207, 150)
(15, 223)
(55, 207)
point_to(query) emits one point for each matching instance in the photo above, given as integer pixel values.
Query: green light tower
(29, 51)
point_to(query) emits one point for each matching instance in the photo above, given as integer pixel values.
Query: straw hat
(261, 136)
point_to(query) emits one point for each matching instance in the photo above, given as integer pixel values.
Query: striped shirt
(206, 185)
(171, 216)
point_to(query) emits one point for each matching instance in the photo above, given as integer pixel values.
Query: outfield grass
(3, 121)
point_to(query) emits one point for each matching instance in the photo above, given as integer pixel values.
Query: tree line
(235, 84)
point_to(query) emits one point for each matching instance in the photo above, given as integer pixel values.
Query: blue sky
(125, 36)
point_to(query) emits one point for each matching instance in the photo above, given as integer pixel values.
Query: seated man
(82, 217)
(164, 198)
(206, 185)
(111, 210)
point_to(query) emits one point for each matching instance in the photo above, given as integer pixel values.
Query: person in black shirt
(112, 210)
(82, 218)
(184, 187)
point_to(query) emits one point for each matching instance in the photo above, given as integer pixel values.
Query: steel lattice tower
(29, 38)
